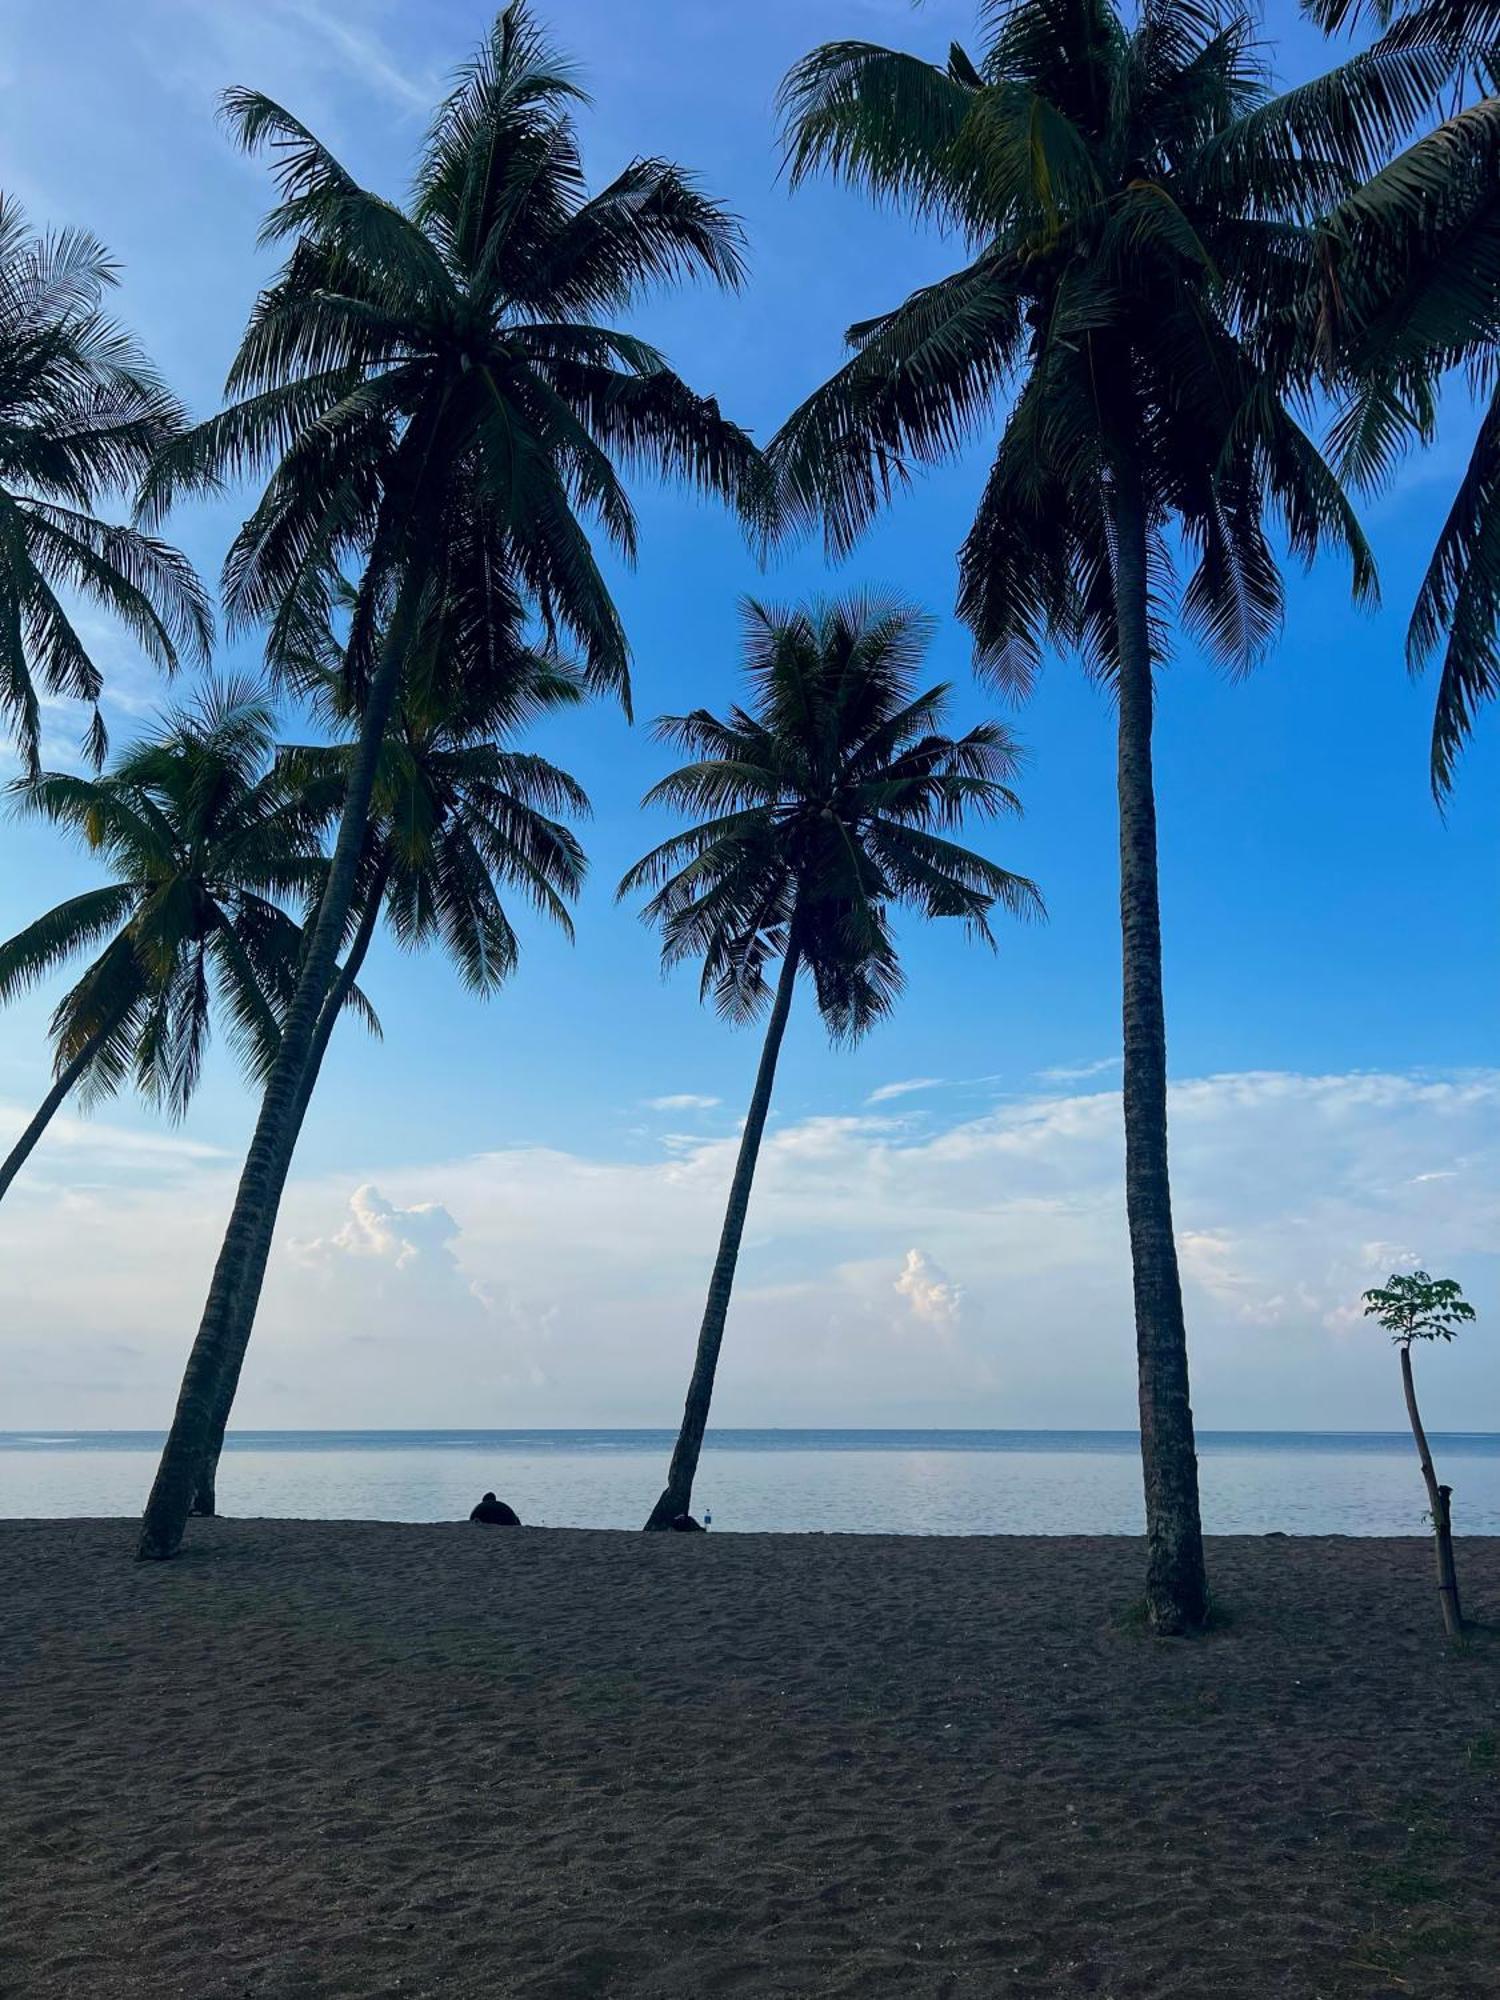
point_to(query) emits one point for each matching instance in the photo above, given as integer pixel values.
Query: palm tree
(829, 801)
(421, 380)
(454, 817)
(1137, 206)
(204, 837)
(82, 415)
(1408, 292)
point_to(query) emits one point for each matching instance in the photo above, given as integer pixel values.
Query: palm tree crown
(205, 839)
(456, 816)
(432, 386)
(830, 800)
(82, 414)
(1140, 207)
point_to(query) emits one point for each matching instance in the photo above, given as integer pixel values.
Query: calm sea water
(911, 1482)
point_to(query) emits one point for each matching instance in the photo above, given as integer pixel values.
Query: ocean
(815, 1481)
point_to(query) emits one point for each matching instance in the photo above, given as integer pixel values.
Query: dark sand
(315, 1758)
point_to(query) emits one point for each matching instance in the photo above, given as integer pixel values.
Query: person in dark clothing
(496, 1513)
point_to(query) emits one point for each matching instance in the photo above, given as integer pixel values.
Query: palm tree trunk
(21, 1151)
(218, 1350)
(248, 1302)
(1176, 1582)
(1439, 1499)
(677, 1495)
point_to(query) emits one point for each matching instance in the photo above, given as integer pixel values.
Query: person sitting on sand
(496, 1513)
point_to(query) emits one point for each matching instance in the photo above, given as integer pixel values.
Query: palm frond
(27, 958)
(1458, 606)
(885, 122)
(82, 416)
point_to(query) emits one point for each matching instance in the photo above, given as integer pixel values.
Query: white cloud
(376, 1228)
(885, 1091)
(536, 1286)
(683, 1100)
(96, 1144)
(1078, 1072)
(365, 54)
(320, 45)
(928, 1290)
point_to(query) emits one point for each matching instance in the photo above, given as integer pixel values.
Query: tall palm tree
(1137, 205)
(456, 817)
(422, 380)
(1408, 293)
(82, 415)
(205, 838)
(829, 802)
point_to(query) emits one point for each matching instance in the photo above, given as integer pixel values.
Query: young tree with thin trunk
(456, 819)
(207, 839)
(417, 378)
(830, 800)
(82, 416)
(1139, 210)
(1412, 1305)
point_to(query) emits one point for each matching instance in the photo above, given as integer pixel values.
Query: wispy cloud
(332, 62)
(884, 1092)
(1078, 1072)
(683, 1100)
(366, 55)
(98, 1143)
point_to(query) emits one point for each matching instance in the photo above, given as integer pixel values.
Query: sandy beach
(316, 1758)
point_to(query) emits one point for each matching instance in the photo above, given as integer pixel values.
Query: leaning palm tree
(1137, 206)
(456, 818)
(829, 802)
(82, 416)
(417, 379)
(205, 839)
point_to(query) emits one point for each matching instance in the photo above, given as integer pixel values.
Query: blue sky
(1322, 921)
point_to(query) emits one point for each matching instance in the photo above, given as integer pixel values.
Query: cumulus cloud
(928, 1290)
(378, 1229)
(683, 1100)
(539, 1286)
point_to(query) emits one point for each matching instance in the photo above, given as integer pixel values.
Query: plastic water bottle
(708, 1519)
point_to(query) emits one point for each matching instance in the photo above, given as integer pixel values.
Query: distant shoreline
(766, 1438)
(896, 1482)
